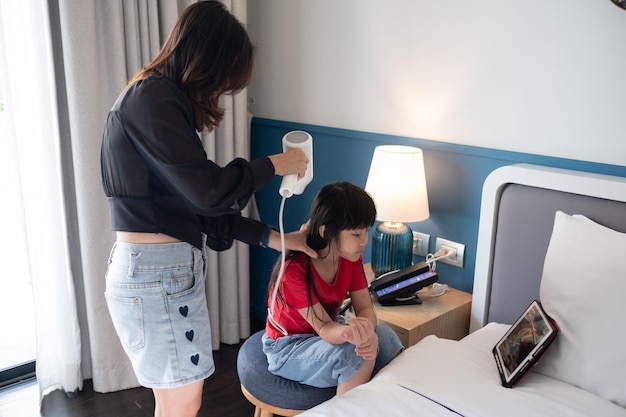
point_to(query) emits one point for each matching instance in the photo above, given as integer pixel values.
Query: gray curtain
(98, 45)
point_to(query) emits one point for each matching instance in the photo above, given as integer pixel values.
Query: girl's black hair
(338, 206)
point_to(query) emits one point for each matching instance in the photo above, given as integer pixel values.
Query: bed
(532, 244)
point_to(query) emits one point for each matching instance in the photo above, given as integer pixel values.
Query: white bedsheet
(439, 377)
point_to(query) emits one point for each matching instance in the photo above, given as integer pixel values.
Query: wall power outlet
(421, 243)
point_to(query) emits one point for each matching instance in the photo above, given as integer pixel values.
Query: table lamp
(397, 183)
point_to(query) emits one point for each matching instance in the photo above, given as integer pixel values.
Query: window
(17, 317)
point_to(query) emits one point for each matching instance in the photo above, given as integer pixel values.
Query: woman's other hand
(293, 241)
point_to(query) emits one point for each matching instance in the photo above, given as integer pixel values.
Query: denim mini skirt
(156, 298)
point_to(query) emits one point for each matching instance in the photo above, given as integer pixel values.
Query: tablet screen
(522, 346)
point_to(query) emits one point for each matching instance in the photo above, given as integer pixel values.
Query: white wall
(546, 77)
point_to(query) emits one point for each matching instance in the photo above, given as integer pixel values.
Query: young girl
(306, 340)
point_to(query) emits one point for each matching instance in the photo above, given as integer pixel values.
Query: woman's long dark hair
(338, 206)
(206, 54)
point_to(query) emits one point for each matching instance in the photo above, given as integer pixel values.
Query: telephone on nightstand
(399, 287)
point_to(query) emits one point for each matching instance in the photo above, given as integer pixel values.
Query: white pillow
(583, 288)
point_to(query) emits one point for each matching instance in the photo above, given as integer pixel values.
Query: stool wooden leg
(267, 410)
(265, 413)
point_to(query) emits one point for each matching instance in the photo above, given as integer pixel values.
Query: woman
(168, 202)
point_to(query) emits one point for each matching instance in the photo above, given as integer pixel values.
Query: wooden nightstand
(446, 316)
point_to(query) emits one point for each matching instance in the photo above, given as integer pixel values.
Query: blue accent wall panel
(454, 176)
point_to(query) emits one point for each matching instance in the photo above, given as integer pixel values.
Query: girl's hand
(361, 334)
(294, 161)
(368, 349)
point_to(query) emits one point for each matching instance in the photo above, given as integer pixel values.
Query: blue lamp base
(392, 247)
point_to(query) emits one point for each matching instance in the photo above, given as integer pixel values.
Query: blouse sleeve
(221, 230)
(158, 121)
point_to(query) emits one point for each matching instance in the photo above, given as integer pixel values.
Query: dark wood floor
(222, 397)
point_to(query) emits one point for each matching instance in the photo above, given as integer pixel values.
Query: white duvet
(440, 377)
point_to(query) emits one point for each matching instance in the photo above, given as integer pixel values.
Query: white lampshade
(397, 183)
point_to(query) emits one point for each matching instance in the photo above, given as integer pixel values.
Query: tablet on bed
(523, 344)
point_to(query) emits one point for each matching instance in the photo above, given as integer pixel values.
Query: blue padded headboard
(517, 216)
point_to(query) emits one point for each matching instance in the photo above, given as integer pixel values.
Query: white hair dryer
(290, 184)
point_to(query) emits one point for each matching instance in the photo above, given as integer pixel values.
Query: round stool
(269, 393)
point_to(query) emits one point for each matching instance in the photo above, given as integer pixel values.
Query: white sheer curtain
(35, 148)
(97, 45)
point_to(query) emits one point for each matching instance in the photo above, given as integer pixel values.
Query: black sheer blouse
(158, 179)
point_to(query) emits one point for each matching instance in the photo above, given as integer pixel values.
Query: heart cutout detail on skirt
(189, 335)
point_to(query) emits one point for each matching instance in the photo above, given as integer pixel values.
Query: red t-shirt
(350, 277)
